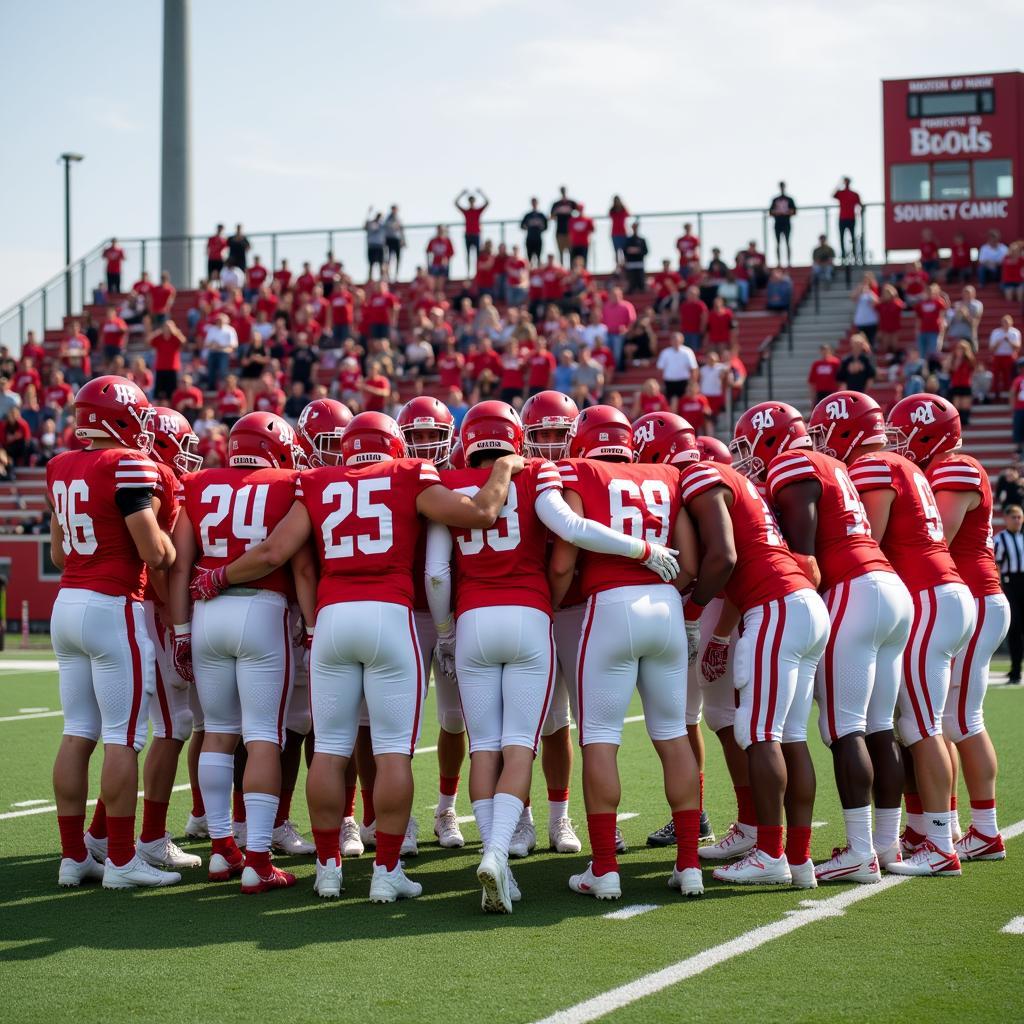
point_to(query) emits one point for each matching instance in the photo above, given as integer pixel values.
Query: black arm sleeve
(130, 500)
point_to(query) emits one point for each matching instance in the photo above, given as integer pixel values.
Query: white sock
(887, 827)
(858, 830)
(938, 831)
(917, 822)
(507, 809)
(984, 820)
(216, 780)
(445, 802)
(483, 811)
(260, 812)
(557, 809)
(526, 817)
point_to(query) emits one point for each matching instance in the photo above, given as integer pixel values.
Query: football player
(822, 519)
(238, 640)
(104, 533)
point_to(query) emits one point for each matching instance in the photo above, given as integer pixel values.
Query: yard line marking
(34, 714)
(30, 803)
(1014, 927)
(31, 711)
(818, 824)
(29, 665)
(811, 912)
(50, 808)
(627, 816)
(465, 819)
(627, 912)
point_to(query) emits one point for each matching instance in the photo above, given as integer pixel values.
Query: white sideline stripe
(815, 910)
(50, 808)
(1014, 927)
(627, 912)
(35, 714)
(31, 711)
(29, 665)
(628, 816)
(30, 803)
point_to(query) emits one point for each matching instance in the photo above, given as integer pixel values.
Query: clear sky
(306, 113)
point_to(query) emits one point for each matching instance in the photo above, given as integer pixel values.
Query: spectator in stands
(485, 280)
(187, 398)
(717, 267)
(961, 266)
(31, 348)
(778, 292)
(113, 256)
(618, 315)
(394, 240)
(517, 278)
(375, 242)
(167, 344)
(963, 319)
(618, 215)
(603, 354)
(676, 364)
(31, 412)
(47, 445)
(823, 260)
(26, 376)
(915, 284)
(931, 321)
(216, 246)
(255, 278)
(688, 247)
(782, 210)
(16, 437)
(1009, 488)
(889, 311)
(565, 372)
(269, 397)
(540, 368)
(1012, 279)
(634, 255)
(513, 372)
(821, 378)
(472, 215)
(562, 210)
(382, 309)
(929, 253)
(733, 291)
(849, 204)
(649, 398)
(857, 370)
(161, 298)
(961, 366)
(641, 340)
(534, 223)
(865, 306)
(722, 324)
(376, 388)
(142, 375)
(141, 290)
(1017, 405)
(990, 259)
(231, 401)
(581, 228)
(219, 346)
(440, 252)
(753, 263)
(332, 274)
(58, 394)
(419, 356)
(715, 381)
(238, 249)
(457, 406)
(114, 335)
(1005, 345)
(693, 318)
(693, 406)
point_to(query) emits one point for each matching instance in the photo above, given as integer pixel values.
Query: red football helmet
(427, 426)
(713, 450)
(371, 437)
(601, 432)
(175, 443)
(844, 420)
(920, 427)
(456, 460)
(491, 427)
(764, 431)
(319, 430)
(547, 415)
(665, 438)
(263, 440)
(114, 407)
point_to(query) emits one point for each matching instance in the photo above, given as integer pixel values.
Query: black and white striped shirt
(1009, 552)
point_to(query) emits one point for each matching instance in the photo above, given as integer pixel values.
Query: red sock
(701, 776)
(72, 843)
(913, 802)
(448, 785)
(952, 802)
(198, 807)
(226, 847)
(602, 843)
(350, 801)
(121, 846)
(558, 796)
(369, 815)
(745, 813)
(154, 820)
(769, 839)
(982, 805)
(238, 806)
(98, 825)
(687, 825)
(284, 806)
(327, 845)
(258, 860)
(389, 845)
(798, 844)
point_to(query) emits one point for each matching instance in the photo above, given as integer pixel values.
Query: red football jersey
(234, 509)
(971, 548)
(170, 493)
(913, 540)
(505, 564)
(99, 553)
(765, 567)
(366, 528)
(639, 501)
(843, 544)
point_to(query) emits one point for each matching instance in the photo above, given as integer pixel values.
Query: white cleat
(327, 884)
(351, 841)
(97, 847)
(493, 876)
(756, 868)
(524, 839)
(689, 881)
(287, 839)
(446, 828)
(220, 869)
(562, 837)
(847, 866)
(513, 888)
(368, 835)
(929, 860)
(890, 856)
(73, 873)
(737, 842)
(241, 832)
(604, 887)
(975, 846)
(620, 842)
(196, 828)
(910, 843)
(165, 853)
(388, 886)
(410, 844)
(136, 874)
(803, 875)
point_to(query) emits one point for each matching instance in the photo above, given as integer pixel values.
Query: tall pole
(176, 157)
(69, 159)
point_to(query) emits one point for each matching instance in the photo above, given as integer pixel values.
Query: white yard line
(627, 912)
(28, 665)
(811, 912)
(1014, 927)
(51, 808)
(33, 714)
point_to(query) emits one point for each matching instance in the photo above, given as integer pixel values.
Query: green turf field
(919, 949)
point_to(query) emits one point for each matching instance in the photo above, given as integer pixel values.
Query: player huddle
(542, 567)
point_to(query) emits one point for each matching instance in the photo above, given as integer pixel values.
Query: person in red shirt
(141, 374)
(27, 376)
(721, 322)
(350, 380)
(890, 317)
(187, 398)
(341, 309)
(450, 365)
(382, 309)
(472, 214)
(16, 437)
(268, 302)
(849, 203)
(688, 245)
(161, 298)
(57, 395)
(270, 398)
(915, 284)
(255, 277)
(484, 366)
(113, 335)
(376, 389)
(283, 277)
(694, 407)
(551, 276)
(822, 375)
(929, 253)
(650, 398)
(581, 227)
(931, 321)
(618, 215)
(167, 343)
(332, 274)
(216, 247)
(113, 256)
(231, 402)
(305, 281)
(540, 367)
(961, 266)
(74, 355)
(143, 289)
(486, 275)
(440, 252)
(693, 318)
(513, 378)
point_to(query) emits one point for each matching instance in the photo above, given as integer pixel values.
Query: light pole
(69, 159)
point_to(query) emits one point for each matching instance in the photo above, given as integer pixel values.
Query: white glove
(692, 640)
(444, 651)
(662, 560)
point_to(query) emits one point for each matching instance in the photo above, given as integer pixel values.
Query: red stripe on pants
(922, 658)
(133, 647)
(773, 690)
(830, 651)
(965, 672)
(756, 668)
(908, 663)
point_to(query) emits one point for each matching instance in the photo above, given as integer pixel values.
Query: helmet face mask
(175, 444)
(427, 427)
(764, 431)
(547, 441)
(743, 459)
(547, 418)
(327, 449)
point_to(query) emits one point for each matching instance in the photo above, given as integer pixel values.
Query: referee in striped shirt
(1009, 555)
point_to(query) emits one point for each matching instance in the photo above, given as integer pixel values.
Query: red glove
(208, 583)
(716, 657)
(183, 653)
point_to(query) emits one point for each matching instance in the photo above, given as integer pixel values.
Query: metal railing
(729, 230)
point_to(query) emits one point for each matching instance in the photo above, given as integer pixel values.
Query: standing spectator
(220, 344)
(269, 397)
(677, 364)
(32, 348)
(822, 375)
(167, 343)
(778, 292)
(472, 215)
(721, 322)
(534, 223)
(890, 312)
(915, 284)
(688, 246)
(303, 362)
(485, 278)
(961, 266)
(857, 370)
(187, 398)
(516, 278)
(283, 277)
(1008, 547)
(649, 398)
(618, 215)
(540, 367)
(350, 380)
(714, 380)
(634, 254)
(693, 406)
(27, 376)
(306, 281)
(238, 249)
(296, 402)
(113, 256)
(450, 365)
(865, 306)
(565, 372)
(823, 258)
(931, 321)
(1009, 488)
(394, 239)
(581, 227)
(74, 355)
(440, 252)
(341, 309)
(849, 203)
(113, 335)
(618, 315)
(963, 319)
(1004, 343)
(693, 318)
(1012, 280)
(782, 210)
(562, 210)
(588, 381)
(161, 298)
(990, 259)
(376, 388)
(231, 402)
(216, 245)
(381, 310)
(31, 412)
(255, 278)
(1016, 404)
(375, 241)
(331, 274)
(962, 363)
(929, 253)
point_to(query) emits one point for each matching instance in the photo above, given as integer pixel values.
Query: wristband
(723, 640)
(183, 630)
(309, 631)
(692, 611)
(646, 553)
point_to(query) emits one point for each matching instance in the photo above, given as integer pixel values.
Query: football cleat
(562, 837)
(492, 875)
(240, 831)
(388, 886)
(975, 846)
(351, 839)
(928, 860)
(604, 887)
(73, 873)
(737, 842)
(410, 845)
(327, 884)
(253, 882)
(689, 881)
(136, 874)
(757, 868)
(513, 888)
(847, 866)
(286, 839)
(368, 835)
(664, 836)
(524, 839)
(910, 842)
(196, 828)
(620, 841)
(221, 868)
(707, 833)
(165, 853)
(889, 856)
(803, 876)
(446, 828)
(96, 847)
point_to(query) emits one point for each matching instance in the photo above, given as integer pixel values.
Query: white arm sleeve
(555, 513)
(438, 577)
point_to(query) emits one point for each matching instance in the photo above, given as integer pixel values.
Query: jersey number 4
(247, 507)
